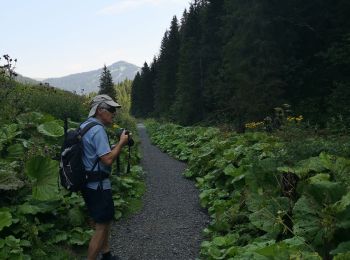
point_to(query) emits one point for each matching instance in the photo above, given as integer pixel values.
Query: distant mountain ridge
(25, 80)
(86, 82)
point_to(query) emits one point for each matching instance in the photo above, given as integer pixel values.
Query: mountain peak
(89, 81)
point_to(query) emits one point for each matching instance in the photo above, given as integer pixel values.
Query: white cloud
(128, 5)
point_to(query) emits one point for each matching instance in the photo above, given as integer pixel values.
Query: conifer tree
(136, 96)
(165, 85)
(146, 91)
(188, 106)
(106, 83)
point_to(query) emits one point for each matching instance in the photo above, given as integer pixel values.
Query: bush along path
(284, 195)
(170, 224)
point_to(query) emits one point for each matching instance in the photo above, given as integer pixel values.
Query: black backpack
(72, 171)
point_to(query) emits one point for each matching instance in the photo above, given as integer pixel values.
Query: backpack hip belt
(96, 176)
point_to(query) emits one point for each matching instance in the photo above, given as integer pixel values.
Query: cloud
(123, 6)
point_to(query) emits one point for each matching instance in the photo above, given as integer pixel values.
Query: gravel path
(170, 224)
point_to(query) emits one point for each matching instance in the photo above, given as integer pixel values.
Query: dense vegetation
(39, 219)
(270, 196)
(234, 61)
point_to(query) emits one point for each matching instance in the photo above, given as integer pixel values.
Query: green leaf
(314, 221)
(7, 133)
(44, 173)
(28, 209)
(293, 248)
(9, 180)
(303, 168)
(52, 128)
(343, 203)
(342, 248)
(343, 256)
(342, 170)
(15, 151)
(12, 242)
(327, 160)
(29, 119)
(219, 241)
(58, 237)
(270, 217)
(323, 191)
(5, 218)
(319, 178)
(76, 217)
(215, 252)
(44, 228)
(117, 214)
(25, 243)
(79, 237)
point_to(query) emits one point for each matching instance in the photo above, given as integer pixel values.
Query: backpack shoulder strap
(88, 127)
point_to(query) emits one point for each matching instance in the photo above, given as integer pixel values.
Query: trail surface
(170, 224)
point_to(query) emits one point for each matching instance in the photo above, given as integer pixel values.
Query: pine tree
(188, 105)
(106, 83)
(145, 92)
(136, 96)
(165, 84)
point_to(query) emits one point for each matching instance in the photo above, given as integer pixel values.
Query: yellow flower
(253, 125)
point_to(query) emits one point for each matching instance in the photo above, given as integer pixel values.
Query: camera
(130, 140)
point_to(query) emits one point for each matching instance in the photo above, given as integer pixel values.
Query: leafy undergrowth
(38, 219)
(269, 197)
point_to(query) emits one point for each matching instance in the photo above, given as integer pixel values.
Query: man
(98, 158)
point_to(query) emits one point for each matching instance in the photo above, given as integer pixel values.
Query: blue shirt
(96, 144)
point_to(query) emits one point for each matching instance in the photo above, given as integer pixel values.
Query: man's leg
(105, 246)
(98, 240)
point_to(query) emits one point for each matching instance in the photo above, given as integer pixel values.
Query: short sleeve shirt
(96, 144)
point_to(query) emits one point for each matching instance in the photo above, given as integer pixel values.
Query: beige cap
(99, 99)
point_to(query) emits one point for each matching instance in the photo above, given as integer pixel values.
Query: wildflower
(253, 125)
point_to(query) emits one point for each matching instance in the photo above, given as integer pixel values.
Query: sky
(54, 38)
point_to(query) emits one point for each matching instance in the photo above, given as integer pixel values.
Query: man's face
(106, 115)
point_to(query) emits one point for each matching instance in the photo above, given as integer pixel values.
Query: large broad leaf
(5, 218)
(79, 237)
(314, 221)
(9, 181)
(294, 248)
(342, 248)
(29, 119)
(338, 165)
(15, 151)
(58, 236)
(324, 191)
(343, 203)
(270, 217)
(34, 207)
(303, 168)
(76, 217)
(44, 173)
(52, 128)
(7, 133)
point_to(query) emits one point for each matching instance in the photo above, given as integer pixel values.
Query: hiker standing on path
(98, 158)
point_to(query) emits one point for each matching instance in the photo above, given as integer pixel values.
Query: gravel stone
(170, 224)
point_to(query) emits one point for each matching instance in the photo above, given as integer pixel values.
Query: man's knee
(102, 227)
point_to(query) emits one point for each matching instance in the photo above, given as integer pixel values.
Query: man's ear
(98, 110)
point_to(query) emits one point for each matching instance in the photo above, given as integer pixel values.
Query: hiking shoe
(110, 257)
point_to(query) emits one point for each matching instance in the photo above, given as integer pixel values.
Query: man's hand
(108, 158)
(124, 138)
